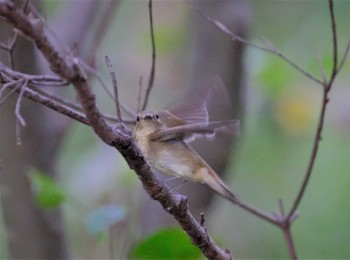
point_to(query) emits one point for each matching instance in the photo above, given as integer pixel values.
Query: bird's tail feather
(215, 183)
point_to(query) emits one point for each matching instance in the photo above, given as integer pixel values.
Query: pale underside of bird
(163, 138)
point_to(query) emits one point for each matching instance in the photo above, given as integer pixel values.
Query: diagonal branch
(119, 137)
(346, 52)
(271, 49)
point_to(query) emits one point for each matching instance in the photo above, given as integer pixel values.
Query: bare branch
(153, 66)
(319, 59)
(18, 104)
(4, 46)
(9, 78)
(6, 86)
(236, 37)
(120, 137)
(327, 87)
(115, 87)
(99, 33)
(50, 103)
(284, 222)
(124, 107)
(344, 57)
(287, 233)
(256, 211)
(139, 95)
(335, 44)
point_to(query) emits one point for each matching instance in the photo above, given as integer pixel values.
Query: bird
(163, 139)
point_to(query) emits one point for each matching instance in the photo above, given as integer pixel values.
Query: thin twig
(59, 104)
(256, 211)
(285, 225)
(124, 107)
(236, 37)
(17, 74)
(344, 57)
(318, 135)
(108, 13)
(115, 87)
(153, 66)
(319, 59)
(335, 44)
(119, 137)
(48, 102)
(13, 90)
(4, 46)
(280, 203)
(289, 242)
(139, 95)
(18, 104)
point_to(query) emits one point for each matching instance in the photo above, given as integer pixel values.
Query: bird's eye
(138, 119)
(157, 116)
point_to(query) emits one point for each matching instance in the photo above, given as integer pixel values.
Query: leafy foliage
(47, 193)
(166, 244)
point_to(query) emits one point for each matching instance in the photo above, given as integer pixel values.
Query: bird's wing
(191, 131)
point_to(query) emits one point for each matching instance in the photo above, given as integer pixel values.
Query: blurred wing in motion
(189, 119)
(189, 132)
(189, 112)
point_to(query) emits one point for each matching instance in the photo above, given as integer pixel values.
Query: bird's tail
(214, 182)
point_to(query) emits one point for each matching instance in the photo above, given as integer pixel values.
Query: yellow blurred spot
(293, 114)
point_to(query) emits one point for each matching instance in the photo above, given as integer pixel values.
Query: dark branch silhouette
(70, 71)
(283, 221)
(119, 137)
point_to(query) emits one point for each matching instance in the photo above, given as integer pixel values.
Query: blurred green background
(270, 160)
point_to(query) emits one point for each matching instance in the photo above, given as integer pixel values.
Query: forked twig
(236, 37)
(327, 87)
(285, 221)
(18, 104)
(119, 137)
(13, 90)
(319, 59)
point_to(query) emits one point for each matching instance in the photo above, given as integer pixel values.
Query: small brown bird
(163, 137)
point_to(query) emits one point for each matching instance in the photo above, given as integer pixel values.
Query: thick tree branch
(120, 136)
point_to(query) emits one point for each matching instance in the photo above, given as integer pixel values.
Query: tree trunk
(31, 232)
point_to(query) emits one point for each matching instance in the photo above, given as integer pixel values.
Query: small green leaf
(47, 193)
(99, 221)
(275, 77)
(166, 244)
(167, 38)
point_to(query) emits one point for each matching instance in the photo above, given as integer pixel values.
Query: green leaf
(99, 221)
(47, 193)
(275, 77)
(167, 38)
(166, 244)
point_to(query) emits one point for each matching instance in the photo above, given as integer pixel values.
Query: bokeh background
(105, 207)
